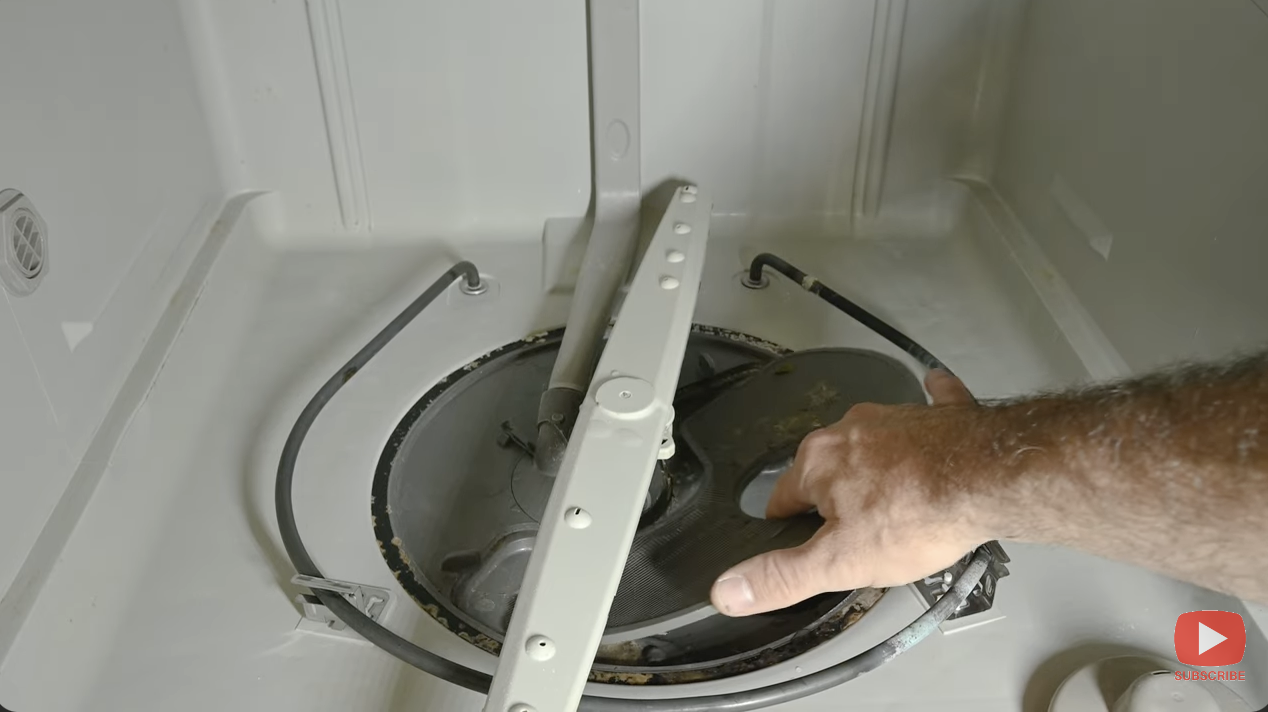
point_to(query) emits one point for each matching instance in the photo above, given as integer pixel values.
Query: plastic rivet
(675, 256)
(688, 197)
(668, 282)
(540, 648)
(625, 397)
(521, 708)
(682, 228)
(577, 518)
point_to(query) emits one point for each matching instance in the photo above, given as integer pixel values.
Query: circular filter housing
(457, 501)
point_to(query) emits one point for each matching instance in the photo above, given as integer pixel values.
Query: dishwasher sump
(738, 425)
(457, 501)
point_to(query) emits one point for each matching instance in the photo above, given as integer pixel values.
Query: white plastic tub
(238, 193)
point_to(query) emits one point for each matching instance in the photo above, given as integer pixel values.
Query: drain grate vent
(28, 243)
(24, 258)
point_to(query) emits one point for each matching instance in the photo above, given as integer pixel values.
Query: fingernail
(733, 595)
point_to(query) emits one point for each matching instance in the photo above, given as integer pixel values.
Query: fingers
(777, 579)
(791, 494)
(946, 389)
(789, 497)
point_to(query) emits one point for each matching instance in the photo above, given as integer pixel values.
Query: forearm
(1168, 472)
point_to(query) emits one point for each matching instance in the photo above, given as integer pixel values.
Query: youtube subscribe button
(1210, 639)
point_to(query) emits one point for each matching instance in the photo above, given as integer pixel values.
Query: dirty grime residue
(822, 394)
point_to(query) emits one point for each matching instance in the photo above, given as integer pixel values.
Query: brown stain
(628, 652)
(480, 640)
(692, 676)
(621, 678)
(741, 338)
(396, 543)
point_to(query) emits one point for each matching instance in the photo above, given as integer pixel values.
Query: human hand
(894, 485)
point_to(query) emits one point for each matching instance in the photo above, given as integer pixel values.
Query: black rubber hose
(478, 681)
(827, 294)
(295, 549)
(825, 679)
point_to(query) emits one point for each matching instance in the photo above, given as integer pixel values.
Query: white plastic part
(573, 573)
(577, 518)
(373, 601)
(1141, 684)
(614, 127)
(1161, 692)
(540, 648)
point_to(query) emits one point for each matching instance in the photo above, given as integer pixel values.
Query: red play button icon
(1210, 638)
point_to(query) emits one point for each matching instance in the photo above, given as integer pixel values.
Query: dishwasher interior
(211, 205)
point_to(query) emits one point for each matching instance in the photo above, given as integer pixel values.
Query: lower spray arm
(623, 427)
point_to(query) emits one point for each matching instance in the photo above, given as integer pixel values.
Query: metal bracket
(598, 497)
(370, 600)
(931, 588)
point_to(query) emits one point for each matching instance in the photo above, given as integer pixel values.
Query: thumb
(774, 580)
(946, 389)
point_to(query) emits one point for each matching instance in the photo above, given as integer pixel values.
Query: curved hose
(294, 544)
(757, 280)
(478, 681)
